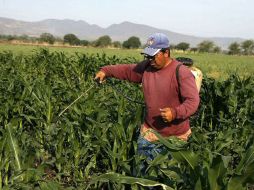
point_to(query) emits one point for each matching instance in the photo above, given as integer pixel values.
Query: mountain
(117, 32)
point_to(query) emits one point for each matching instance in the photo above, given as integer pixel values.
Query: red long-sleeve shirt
(160, 90)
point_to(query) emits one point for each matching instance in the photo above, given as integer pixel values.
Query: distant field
(218, 66)
(28, 49)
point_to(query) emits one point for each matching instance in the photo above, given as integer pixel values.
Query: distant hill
(117, 32)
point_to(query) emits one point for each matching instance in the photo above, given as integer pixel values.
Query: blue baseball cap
(155, 43)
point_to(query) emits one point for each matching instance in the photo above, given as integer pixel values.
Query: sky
(203, 18)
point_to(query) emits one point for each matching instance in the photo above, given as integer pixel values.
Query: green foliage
(182, 46)
(103, 41)
(234, 49)
(248, 47)
(72, 39)
(47, 37)
(132, 42)
(84, 42)
(121, 179)
(117, 44)
(23, 38)
(206, 46)
(93, 143)
(216, 49)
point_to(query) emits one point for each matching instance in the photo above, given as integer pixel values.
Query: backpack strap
(178, 81)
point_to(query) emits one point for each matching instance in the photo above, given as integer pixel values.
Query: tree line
(71, 39)
(244, 48)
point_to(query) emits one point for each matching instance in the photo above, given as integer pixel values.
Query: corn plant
(93, 143)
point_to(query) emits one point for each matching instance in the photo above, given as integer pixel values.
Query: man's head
(155, 43)
(157, 50)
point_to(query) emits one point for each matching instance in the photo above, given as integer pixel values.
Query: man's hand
(100, 76)
(166, 114)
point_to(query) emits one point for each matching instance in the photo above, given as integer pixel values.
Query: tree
(10, 37)
(72, 39)
(206, 46)
(182, 46)
(47, 37)
(84, 42)
(116, 44)
(248, 47)
(234, 49)
(216, 49)
(172, 46)
(132, 42)
(103, 41)
(194, 49)
(25, 37)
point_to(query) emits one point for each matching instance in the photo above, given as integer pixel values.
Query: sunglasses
(149, 57)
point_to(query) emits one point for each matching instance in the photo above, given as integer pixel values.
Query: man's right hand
(100, 76)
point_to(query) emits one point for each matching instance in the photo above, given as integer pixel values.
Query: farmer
(165, 112)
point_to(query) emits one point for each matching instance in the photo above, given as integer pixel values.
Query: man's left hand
(166, 114)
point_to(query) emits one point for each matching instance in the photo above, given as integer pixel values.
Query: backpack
(188, 62)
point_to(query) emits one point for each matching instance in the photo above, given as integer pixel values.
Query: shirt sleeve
(130, 72)
(189, 93)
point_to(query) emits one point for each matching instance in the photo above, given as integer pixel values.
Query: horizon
(225, 18)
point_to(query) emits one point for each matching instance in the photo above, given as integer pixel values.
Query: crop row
(92, 144)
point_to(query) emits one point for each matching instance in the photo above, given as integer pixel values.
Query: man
(165, 112)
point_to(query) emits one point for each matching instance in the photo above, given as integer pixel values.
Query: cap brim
(150, 51)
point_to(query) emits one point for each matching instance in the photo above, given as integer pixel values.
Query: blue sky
(205, 18)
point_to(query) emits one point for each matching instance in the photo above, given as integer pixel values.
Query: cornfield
(93, 143)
